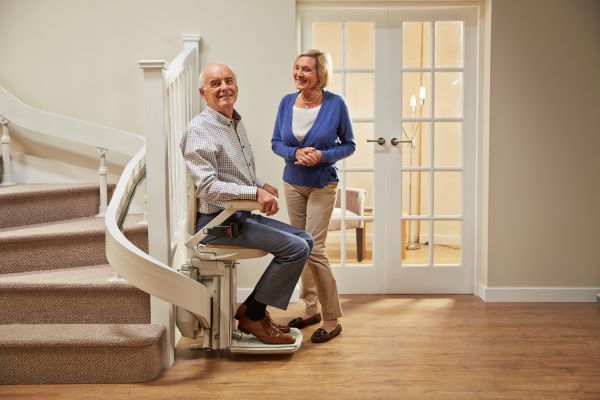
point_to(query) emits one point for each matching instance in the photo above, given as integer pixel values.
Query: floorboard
(394, 347)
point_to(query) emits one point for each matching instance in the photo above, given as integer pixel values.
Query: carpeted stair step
(27, 204)
(81, 295)
(62, 244)
(81, 353)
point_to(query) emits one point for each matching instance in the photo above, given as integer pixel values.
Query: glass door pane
(351, 46)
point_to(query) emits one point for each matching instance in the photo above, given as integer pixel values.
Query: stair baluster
(6, 175)
(102, 171)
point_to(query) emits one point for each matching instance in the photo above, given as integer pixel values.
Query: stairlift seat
(226, 252)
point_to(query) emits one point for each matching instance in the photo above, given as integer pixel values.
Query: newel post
(162, 313)
(193, 40)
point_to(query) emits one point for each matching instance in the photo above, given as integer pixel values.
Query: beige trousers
(310, 209)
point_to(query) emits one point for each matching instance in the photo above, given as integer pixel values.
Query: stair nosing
(68, 188)
(6, 285)
(64, 233)
(152, 333)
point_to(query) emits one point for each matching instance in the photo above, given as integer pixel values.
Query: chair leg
(360, 243)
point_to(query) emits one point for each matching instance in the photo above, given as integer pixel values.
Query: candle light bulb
(413, 102)
(422, 95)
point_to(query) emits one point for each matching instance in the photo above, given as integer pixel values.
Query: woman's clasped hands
(308, 156)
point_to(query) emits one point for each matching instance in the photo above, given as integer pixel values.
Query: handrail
(177, 66)
(72, 129)
(145, 271)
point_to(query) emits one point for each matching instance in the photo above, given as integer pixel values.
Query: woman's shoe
(321, 335)
(303, 323)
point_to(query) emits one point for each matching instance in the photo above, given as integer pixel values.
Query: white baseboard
(481, 292)
(243, 293)
(538, 294)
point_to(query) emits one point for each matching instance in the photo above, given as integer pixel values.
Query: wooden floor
(394, 347)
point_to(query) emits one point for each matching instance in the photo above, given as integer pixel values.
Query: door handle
(380, 141)
(395, 141)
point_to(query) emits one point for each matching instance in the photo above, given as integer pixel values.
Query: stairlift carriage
(214, 266)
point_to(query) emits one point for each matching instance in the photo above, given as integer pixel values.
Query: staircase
(64, 318)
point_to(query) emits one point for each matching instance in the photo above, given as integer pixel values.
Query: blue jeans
(290, 247)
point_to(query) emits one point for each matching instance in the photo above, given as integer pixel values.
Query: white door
(409, 78)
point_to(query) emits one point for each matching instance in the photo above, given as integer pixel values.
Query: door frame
(435, 278)
(481, 118)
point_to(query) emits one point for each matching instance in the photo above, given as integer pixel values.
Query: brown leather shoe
(282, 328)
(264, 331)
(303, 323)
(321, 335)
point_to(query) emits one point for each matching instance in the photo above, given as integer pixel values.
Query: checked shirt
(219, 157)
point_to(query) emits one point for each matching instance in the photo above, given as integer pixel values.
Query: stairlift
(215, 267)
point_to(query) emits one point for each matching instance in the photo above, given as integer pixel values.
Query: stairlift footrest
(249, 344)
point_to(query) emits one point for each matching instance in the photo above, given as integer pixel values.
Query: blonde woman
(313, 131)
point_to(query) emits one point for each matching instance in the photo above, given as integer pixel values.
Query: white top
(302, 120)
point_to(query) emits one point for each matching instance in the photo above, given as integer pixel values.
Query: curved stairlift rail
(139, 268)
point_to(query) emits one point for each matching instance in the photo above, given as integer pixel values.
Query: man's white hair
(202, 73)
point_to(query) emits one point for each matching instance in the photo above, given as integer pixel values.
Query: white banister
(6, 169)
(67, 128)
(103, 171)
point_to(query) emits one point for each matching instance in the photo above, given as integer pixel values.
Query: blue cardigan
(331, 133)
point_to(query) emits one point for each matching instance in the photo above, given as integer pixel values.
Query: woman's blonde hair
(322, 65)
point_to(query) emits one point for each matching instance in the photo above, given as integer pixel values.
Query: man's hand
(308, 156)
(268, 203)
(271, 189)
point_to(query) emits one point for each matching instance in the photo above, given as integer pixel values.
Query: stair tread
(27, 189)
(97, 277)
(69, 227)
(77, 335)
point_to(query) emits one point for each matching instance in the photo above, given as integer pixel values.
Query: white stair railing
(170, 101)
(61, 127)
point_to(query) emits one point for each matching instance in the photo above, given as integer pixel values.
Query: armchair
(355, 207)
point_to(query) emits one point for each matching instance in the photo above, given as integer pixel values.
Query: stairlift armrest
(231, 207)
(242, 205)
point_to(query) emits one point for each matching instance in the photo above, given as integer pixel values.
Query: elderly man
(219, 157)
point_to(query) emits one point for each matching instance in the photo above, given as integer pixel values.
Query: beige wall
(80, 58)
(544, 191)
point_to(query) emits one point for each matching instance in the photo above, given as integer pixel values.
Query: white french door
(408, 76)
